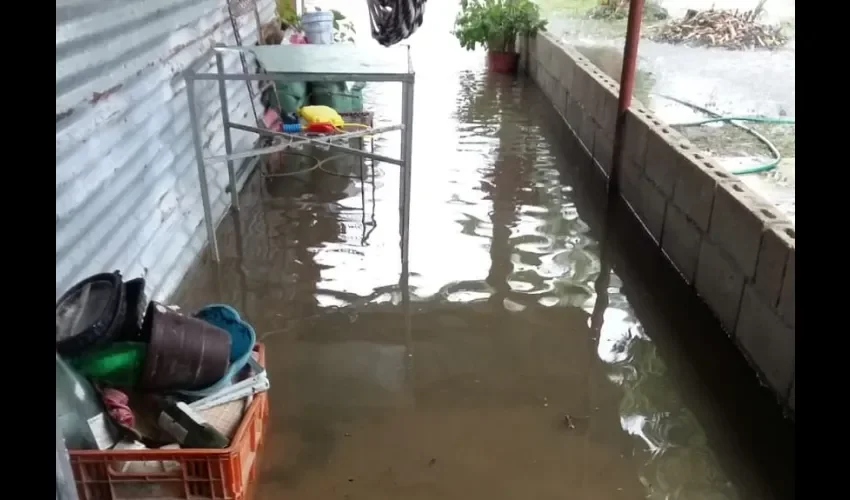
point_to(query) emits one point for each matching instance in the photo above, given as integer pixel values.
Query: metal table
(314, 63)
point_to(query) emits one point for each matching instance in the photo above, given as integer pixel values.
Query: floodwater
(509, 363)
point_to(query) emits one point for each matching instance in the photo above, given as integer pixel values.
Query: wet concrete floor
(509, 364)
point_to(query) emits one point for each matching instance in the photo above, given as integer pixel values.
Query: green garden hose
(736, 122)
(755, 119)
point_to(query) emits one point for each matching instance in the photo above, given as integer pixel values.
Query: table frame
(193, 75)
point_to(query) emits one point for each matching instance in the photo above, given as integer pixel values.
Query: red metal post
(627, 85)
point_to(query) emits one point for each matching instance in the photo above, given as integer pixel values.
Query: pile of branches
(721, 28)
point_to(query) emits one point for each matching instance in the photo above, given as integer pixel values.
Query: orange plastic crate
(187, 474)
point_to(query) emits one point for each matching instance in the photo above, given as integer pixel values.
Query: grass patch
(568, 7)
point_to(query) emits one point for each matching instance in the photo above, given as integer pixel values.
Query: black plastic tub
(90, 314)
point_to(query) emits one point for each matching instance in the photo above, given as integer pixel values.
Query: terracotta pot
(502, 62)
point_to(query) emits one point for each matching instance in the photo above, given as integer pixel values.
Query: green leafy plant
(496, 24)
(286, 13)
(343, 28)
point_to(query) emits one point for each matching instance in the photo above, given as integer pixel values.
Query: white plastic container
(318, 26)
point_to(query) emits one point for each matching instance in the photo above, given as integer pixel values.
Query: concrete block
(714, 169)
(636, 132)
(533, 67)
(553, 86)
(574, 57)
(639, 107)
(553, 90)
(651, 206)
(564, 104)
(738, 220)
(560, 98)
(694, 190)
(564, 66)
(768, 341)
(605, 106)
(540, 75)
(681, 240)
(663, 159)
(629, 169)
(787, 297)
(614, 87)
(720, 283)
(588, 130)
(629, 178)
(584, 88)
(574, 115)
(578, 57)
(776, 244)
(603, 150)
(545, 49)
(532, 48)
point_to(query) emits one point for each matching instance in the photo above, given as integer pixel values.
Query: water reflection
(674, 457)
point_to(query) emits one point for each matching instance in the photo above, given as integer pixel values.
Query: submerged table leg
(202, 171)
(228, 144)
(407, 156)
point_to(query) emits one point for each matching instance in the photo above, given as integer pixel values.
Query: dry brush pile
(721, 28)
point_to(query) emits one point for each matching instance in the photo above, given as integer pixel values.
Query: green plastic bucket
(292, 95)
(342, 97)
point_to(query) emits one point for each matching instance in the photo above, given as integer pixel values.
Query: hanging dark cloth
(395, 20)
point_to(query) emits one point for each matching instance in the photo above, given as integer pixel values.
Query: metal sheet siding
(127, 192)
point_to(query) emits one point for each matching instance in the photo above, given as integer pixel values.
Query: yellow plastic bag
(321, 114)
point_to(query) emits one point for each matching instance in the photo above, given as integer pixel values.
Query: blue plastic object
(290, 118)
(243, 337)
(291, 128)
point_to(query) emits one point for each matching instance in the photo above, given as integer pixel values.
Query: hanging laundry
(395, 20)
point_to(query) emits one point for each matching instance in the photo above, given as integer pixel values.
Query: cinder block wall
(734, 248)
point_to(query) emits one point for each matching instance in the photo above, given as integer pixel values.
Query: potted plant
(496, 24)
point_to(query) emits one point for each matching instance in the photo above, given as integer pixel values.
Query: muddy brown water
(503, 367)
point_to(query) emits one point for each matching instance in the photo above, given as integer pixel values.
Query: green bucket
(342, 97)
(292, 95)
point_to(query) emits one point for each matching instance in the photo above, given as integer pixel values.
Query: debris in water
(569, 421)
(729, 29)
(432, 462)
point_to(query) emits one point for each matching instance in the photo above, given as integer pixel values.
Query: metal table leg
(407, 155)
(228, 143)
(202, 171)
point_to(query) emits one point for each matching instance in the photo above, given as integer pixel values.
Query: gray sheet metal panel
(127, 193)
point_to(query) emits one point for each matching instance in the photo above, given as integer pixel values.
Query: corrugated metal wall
(127, 193)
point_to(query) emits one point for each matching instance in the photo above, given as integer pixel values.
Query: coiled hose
(736, 122)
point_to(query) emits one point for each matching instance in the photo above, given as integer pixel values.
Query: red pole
(627, 85)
